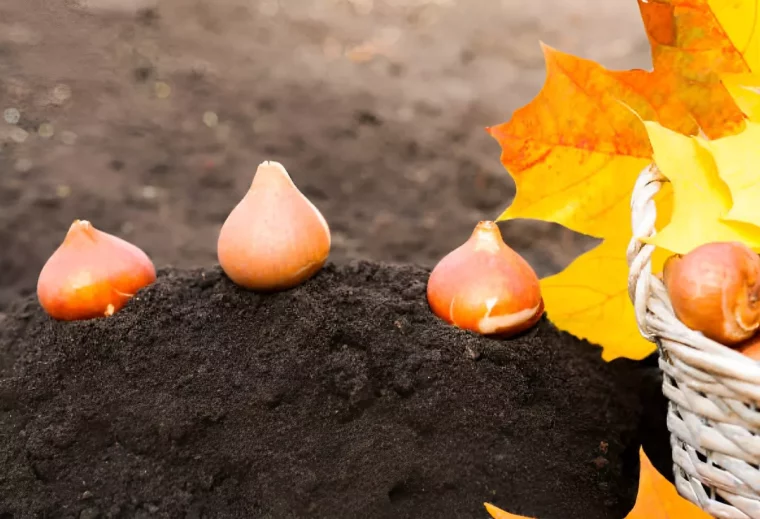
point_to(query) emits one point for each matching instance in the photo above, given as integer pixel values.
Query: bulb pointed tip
(487, 236)
(80, 226)
(271, 163)
(272, 170)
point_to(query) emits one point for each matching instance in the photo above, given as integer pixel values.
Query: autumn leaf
(701, 197)
(657, 498)
(692, 43)
(698, 37)
(592, 284)
(737, 158)
(576, 167)
(745, 90)
(576, 150)
(498, 513)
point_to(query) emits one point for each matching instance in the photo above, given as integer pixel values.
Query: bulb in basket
(715, 289)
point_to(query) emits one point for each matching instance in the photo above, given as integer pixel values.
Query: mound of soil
(342, 398)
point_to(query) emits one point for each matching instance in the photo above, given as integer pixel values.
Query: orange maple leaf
(498, 513)
(576, 149)
(657, 498)
(690, 49)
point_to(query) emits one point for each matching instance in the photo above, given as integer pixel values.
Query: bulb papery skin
(274, 238)
(92, 274)
(486, 287)
(750, 347)
(714, 289)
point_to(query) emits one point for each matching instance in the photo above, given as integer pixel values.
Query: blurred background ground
(149, 118)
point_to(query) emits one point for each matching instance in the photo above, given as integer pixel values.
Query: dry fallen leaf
(586, 299)
(576, 166)
(701, 197)
(737, 158)
(692, 42)
(576, 150)
(498, 513)
(745, 90)
(657, 498)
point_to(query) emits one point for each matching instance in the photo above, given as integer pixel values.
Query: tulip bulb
(275, 238)
(485, 286)
(92, 274)
(714, 289)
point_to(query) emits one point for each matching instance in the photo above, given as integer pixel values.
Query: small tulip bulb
(485, 286)
(275, 238)
(92, 274)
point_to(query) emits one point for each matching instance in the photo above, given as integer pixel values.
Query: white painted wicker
(713, 390)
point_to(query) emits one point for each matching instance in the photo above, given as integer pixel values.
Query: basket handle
(639, 255)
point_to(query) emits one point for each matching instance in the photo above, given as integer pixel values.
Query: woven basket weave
(713, 390)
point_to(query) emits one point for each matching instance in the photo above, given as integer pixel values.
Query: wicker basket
(713, 390)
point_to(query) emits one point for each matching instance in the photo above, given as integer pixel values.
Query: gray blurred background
(149, 118)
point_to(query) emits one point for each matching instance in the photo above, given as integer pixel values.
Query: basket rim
(654, 312)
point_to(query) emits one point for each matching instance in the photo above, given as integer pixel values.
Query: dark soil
(342, 398)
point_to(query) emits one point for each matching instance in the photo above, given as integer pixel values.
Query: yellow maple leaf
(592, 282)
(701, 197)
(576, 150)
(745, 90)
(657, 498)
(737, 158)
